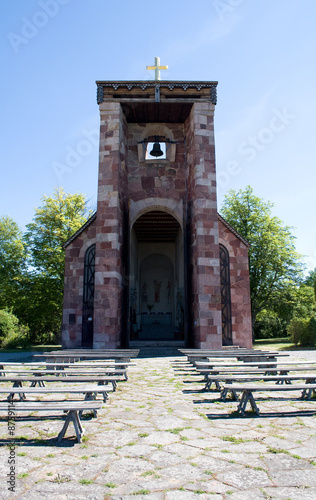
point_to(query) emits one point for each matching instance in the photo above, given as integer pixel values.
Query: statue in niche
(169, 291)
(157, 286)
(144, 292)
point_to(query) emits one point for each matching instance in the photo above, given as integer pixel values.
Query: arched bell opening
(156, 278)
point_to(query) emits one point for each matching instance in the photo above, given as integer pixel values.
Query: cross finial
(157, 68)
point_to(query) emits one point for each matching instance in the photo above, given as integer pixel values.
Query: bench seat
(281, 375)
(73, 409)
(90, 391)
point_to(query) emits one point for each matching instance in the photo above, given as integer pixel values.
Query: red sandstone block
(74, 252)
(147, 182)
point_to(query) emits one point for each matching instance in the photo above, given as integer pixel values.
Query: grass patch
(61, 479)
(277, 450)
(277, 344)
(177, 430)
(143, 434)
(233, 439)
(148, 473)
(110, 485)
(85, 481)
(141, 492)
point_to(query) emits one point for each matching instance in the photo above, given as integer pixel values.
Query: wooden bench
(73, 409)
(309, 378)
(37, 372)
(72, 355)
(90, 391)
(41, 379)
(248, 390)
(241, 356)
(232, 374)
(259, 364)
(107, 367)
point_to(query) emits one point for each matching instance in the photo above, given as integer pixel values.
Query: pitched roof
(94, 216)
(86, 224)
(230, 228)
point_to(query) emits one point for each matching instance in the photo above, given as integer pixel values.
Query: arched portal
(156, 278)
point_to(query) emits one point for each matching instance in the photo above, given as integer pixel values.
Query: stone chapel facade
(156, 262)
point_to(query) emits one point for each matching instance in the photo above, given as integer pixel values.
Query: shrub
(11, 333)
(303, 331)
(269, 326)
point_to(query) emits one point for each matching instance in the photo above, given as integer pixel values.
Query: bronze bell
(156, 150)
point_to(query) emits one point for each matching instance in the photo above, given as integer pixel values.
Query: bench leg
(224, 392)
(10, 398)
(40, 383)
(72, 416)
(208, 383)
(308, 393)
(90, 396)
(247, 396)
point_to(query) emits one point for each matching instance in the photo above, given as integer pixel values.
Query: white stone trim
(173, 207)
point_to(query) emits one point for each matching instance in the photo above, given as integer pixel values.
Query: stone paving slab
(161, 437)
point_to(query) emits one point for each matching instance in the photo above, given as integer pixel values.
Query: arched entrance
(156, 278)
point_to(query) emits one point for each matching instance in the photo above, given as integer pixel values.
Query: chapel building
(156, 263)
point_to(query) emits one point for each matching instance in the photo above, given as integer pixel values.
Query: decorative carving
(100, 93)
(213, 94)
(170, 85)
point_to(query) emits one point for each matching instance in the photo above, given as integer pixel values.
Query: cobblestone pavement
(161, 437)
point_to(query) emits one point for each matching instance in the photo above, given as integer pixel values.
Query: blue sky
(262, 53)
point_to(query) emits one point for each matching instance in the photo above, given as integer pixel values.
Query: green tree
(54, 222)
(291, 301)
(311, 281)
(12, 257)
(40, 304)
(274, 263)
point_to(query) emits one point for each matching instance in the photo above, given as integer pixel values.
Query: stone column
(204, 249)
(108, 263)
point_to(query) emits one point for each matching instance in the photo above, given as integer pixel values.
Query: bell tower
(155, 269)
(156, 172)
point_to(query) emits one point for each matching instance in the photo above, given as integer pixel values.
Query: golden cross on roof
(157, 68)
